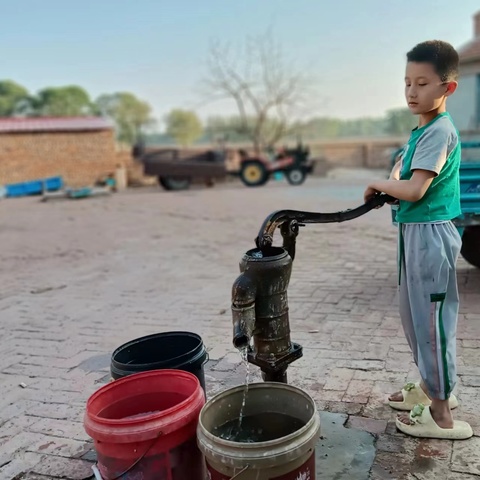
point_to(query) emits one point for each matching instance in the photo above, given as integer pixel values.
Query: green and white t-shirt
(434, 147)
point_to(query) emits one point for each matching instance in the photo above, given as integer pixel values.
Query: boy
(426, 184)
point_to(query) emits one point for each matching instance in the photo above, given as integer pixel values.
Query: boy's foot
(413, 394)
(398, 396)
(442, 419)
(424, 423)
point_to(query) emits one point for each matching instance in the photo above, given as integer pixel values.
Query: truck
(468, 224)
(175, 168)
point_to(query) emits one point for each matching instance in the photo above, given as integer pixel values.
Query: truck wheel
(253, 173)
(174, 183)
(471, 246)
(295, 176)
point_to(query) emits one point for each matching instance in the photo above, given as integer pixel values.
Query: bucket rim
(254, 446)
(140, 366)
(140, 420)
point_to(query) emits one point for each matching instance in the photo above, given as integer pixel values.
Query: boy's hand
(370, 193)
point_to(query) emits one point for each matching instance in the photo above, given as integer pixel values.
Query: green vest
(434, 147)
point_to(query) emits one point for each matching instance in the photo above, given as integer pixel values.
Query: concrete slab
(343, 453)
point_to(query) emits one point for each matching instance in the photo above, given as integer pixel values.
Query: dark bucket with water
(170, 350)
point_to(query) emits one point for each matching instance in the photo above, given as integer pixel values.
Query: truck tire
(471, 246)
(174, 183)
(295, 176)
(253, 173)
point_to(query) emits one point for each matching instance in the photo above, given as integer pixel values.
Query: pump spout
(243, 311)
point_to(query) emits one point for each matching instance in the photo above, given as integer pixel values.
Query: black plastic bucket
(170, 350)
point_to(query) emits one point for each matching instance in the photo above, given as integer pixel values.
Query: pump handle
(275, 219)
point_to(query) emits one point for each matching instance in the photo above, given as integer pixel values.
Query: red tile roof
(53, 124)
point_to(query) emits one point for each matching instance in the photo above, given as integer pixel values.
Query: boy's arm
(428, 160)
(410, 190)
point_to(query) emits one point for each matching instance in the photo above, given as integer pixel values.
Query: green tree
(321, 128)
(362, 127)
(11, 95)
(129, 113)
(68, 101)
(400, 121)
(184, 126)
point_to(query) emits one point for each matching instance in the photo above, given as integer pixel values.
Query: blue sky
(156, 49)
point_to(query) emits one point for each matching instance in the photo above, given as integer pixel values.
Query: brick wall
(83, 157)
(79, 157)
(356, 153)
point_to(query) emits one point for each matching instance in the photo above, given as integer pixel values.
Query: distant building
(464, 106)
(80, 149)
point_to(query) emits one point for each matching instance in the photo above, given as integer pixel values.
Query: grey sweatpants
(428, 253)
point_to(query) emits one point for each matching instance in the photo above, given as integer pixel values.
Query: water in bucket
(261, 427)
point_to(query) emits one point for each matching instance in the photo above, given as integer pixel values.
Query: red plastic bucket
(144, 426)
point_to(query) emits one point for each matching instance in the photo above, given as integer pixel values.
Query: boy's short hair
(441, 55)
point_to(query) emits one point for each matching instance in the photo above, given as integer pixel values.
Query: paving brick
(122, 283)
(425, 468)
(391, 466)
(367, 424)
(56, 397)
(339, 379)
(9, 360)
(470, 380)
(73, 469)
(59, 411)
(354, 398)
(460, 476)
(466, 456)
(21, 464)
(349, 408)
(10, 445)
(59, 428)
(32, 476)
(62, 447)
(16, 425)
(330, 395)
(391, 444)
(360, 388)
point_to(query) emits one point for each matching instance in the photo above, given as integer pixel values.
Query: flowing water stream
(244, 355)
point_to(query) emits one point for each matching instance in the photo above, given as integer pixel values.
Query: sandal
(424, 426)
(413, 394)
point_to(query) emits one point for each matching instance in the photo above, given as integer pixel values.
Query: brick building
(464, 106)
(80, 149)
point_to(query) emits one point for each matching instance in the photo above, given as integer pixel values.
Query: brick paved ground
(80, 278)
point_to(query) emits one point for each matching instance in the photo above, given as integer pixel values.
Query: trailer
(176, 168)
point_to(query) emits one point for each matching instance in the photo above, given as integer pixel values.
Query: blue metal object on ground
(35, 187)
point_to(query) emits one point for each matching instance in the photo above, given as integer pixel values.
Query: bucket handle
(207, 359)
(139, 459)
(240, 472)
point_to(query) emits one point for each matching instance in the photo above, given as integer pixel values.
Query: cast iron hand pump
(259, 294)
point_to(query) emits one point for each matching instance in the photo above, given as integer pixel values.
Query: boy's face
(424, 90)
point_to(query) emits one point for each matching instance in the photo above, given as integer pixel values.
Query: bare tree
(267, 91)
